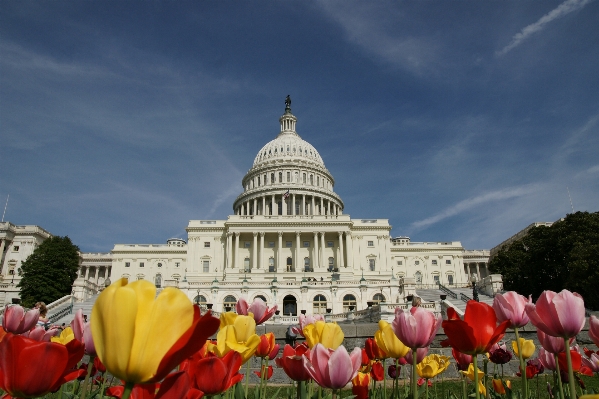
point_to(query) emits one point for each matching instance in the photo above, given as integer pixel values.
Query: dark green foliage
(563, 256)
(49, 272)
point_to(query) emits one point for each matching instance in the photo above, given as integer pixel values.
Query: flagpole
(4, 213)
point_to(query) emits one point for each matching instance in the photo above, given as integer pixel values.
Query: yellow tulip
(66, 336)
(237, 333)
(328, 335)
(528, 347)
(470, 373)
(139, 337)
(432, 365)
(386, 339)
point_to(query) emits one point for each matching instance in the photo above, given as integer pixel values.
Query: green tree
(49, 272)
(563, 256)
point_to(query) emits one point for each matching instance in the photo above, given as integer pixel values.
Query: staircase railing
(448, 291)
(465, 298)
(63, 311)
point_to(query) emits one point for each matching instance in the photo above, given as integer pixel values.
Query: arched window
(271, 264)
(304, 178)
(331, 264)
(418, 277)
(349, 303)
(280, 177)
(290, 264)
(261, 297)
(450, 279)
(229, 303)
(200, 300)
(158, 281)
(378, 298)
(289, 306)
(307, 265)
(272, 178)
(319, 304)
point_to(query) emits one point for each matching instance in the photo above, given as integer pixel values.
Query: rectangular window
(371, 264)
(330, 244)
(258, 181)
(434, 261)
(15, 248)
(206, 266)
(400, 262)
(271, 244)
(247, 244)
(304, 178)
(417, 262)
(450, 279)
(141, 264)
(127, 264)
(436, 279)
(288, 177)
(448, 261)
(371, 243)
(306, 244)
(288, 244)
(206, 244)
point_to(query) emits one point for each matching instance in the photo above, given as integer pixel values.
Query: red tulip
(292, 362)
(416, 328)
(373, 351)
(377, 372)
(462, 360)
(268, 373)
(421, 381)
(99, 365)
(559, 315)
(576, 360)
(365, 362)
(594, 329)
(360, 385)
(511, 306)
(588, 352)
(213, 375)
(477, 332)
(17, 321)
(174, 386)
(258, 308)
(393, 371)
(31, 368)
(267, 346)
(498, 354)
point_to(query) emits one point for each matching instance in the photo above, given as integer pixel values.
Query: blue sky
(457, 121)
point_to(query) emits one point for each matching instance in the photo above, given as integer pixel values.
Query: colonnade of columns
(316, 250)
(294, 205)
(85, 273)
(480, 269)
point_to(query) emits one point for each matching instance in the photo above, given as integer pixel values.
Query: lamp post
(473, 279)
(198, 298)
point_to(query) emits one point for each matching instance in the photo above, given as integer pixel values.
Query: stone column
(303, 210)
(273, 209)
(293, 204)
(263, 205)
(322, 247)
(329, 207)
(312, 208)
(283, 204)
(255, 212)
(279, 250)
(341, 252)
(321, 212)
(228, 249)
(261, 256)
(236, 249)
(255, 250)
(350, 249)
(297, 251)
(315, 251)
(87, 273)
(477, 271)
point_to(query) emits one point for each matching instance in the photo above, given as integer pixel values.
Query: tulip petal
(461, 336)
(571, 313)
(339, 368)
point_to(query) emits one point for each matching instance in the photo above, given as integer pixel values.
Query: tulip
(30, 368)
(64, 337)
(258, 309)
(304, 320)
(592, 362)
(528, 347)
(576, 360)
(475, 377)
(17, 321)
(373, 351)
(588, 352)
(388, 342)
(329, 335)
(365, 363)
(83, 332)
(237, 334)
(393, 371)
(594, 329)
(267, 374)
(421, 381)
(559, 315)
(332, 368)
(39, 333)
(462, 360)
(416, 328)
(174, 386)
(360, 385)
(547, 359)
(498, 354)
(377, 371)
(498, 386)
(292, 362)
(267, 346)
(213, 375)
(551, 344)
(139, 337)
(432, 365)
(420, 354)
(511, 306)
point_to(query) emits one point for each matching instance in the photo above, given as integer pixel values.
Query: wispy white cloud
(563, 9)
(470, 203)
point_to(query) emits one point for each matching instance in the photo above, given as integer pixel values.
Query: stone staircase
(463, 295)
(67, 318)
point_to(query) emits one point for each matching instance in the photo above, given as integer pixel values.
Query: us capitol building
(288, 241)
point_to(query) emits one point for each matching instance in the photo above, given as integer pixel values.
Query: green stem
(559, 377)
(247, 378)
(127, 390)
(570, 371)
(475, 364)
(60, 392)
(301, 387)
(414, 381)
(522, 365)
(102, 387)
(464, 391)
(265, 372)
(426, 388)
(90, 365)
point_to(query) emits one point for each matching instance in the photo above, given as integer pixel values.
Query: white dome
(288, 146)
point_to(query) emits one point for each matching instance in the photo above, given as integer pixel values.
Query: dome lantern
(288, 120)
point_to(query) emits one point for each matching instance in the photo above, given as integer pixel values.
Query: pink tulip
(39, 333)
(17, 321)
(420, 354)
(547, 359)
(594, 329)
(83, 332)
(558, 315)
(551, 344)
(592, 362)
(304, 320)
(332, 368)
(258, 308)
(511, 306)
(416, 328)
